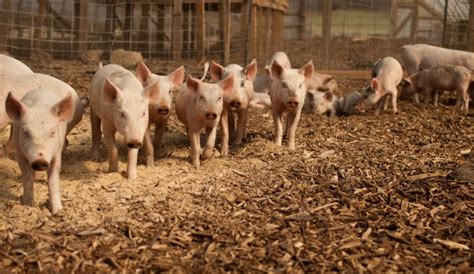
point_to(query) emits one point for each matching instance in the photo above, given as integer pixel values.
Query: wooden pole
(5, 23)
(253, 35)
(261, 30)
(302, 19)
(393, 19)
(39, 22)
(200, 28)
(471, 26)
(177, 40)
(80, 11)
(277, 30)
(414, 21)
(327, 9)
(128, 22)
(225, 8)
(244, 28)
(445, 23)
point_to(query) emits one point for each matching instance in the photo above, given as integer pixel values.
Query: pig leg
(148, 146)
(132, 158)
(379, 106)
(462, 93)
(241, 125)
(27, 178)
(109, 137)
(428, 93)
(386, 102)
(293, 119)
(210, 142)
(277, 119)
(231, 119)
(435, 98)
(224, 133)
(193, 136)
(394, 96)
(160, 129)
(96, 135)
(53, 184)
(415, 98)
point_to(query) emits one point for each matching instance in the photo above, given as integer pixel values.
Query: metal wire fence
(336, 34)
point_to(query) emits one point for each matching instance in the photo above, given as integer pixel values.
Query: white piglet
(39, 128)
(287, 95)
(120, 103)
(159, 109)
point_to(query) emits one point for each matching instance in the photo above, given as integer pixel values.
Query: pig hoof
(95, 156)
(224, 152)
(28, 201)
(196, 164)
(150, 163)
(206, 154)
(56, 209)
(131, 177)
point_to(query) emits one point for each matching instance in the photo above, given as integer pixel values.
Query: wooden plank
(393, 19)
(128, 24)
(200, 28)
(403, 24)
(471, 26)
(39, 18)
(429, 7)
(267, 42)
(225, 13)
(277, 30)
(177, 24)
(5, 23)
(261, 39)
(302, 19)
(327, 10)
(253, 35)
(414, 20)
(80, 11)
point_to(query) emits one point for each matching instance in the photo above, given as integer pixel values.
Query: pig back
(10, 66)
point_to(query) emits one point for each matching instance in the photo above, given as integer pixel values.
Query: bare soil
(360, 193)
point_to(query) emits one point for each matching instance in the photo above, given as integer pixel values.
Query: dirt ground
(360, 193)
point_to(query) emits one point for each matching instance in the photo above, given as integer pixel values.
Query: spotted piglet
(237, 102)
(287, 94)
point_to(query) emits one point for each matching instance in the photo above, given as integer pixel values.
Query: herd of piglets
(42, 110)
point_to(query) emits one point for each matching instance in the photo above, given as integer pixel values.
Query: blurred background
(336, 34)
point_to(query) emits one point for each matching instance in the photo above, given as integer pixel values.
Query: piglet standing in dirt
(159, 109)
(449, 78)
(287, 94)
(387, 74)
(237, 102)
(39, 130)
(120, 103)
(323, 103)
(199, 105)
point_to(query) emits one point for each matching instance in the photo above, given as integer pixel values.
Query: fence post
(302, 17)
(277, 30)
(200, 28)
(253, 37)
(80, 10)
(471, 25)
(445, 22)
(177, 33)
(5, 26)
(327, 9)
(225, 13)
(393, 19)
(39, 22)
(128, 24)
(414, 20)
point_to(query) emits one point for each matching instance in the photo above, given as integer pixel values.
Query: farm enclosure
(360, 193)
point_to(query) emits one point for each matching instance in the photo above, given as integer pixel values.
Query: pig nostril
(235, 104)
(163, 110)
(211, 116)
(39, 165)
(292, 104)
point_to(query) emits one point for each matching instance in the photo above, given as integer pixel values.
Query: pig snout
(211, 115)
(163, 110)
(134, 144)
(39, 165)
(235, 104)
(292, 103)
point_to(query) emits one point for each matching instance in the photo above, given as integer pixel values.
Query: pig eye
(26, 134)
(242, 84)
(122, 115)
(52, 134)
(284, 84)
(200, 97)
(301, 85)
(144, 114)
(220, 97)
(170, 91)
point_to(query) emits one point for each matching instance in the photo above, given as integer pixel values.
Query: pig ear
(276, 70)
(328, 95)
(327, 80)
(307, 70)
(251, 70)
(217, 71)
(310, 95)
(405, 82)
(177, 76)
(374, 84)
(192, 84)
(64, 108)
(142, 73)
(227, 84)
(111, 92)
(14, 107)
(268, 70)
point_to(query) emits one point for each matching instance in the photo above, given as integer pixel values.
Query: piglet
(323, 103)
(199, 105)
(236, 102)
(10, 66)
(323, 82)
(387, 74)
(39, 129)
(349, 103)
(449, 78)
(160, 109)
(287, 94)
(120, 103)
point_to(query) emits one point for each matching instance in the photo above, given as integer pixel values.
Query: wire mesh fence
(336, 34)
